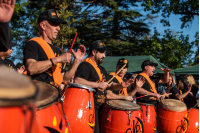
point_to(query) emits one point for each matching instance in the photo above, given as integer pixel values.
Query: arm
(78, 56)
(181, 96)
(139, 83)
(37, 67)
(142, 91)
(166, 75)
(102, 85)
(117, 86)
(111, 95)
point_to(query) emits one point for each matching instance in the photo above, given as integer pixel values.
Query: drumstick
(71, 47)
(161, 95)
(116, 73)
(140, 97)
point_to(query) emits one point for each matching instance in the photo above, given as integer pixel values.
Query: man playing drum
(124, 93)
(44, 61)
(177, 90)
(91, 74)
(149, 86)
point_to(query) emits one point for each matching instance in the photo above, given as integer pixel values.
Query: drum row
(28, 106)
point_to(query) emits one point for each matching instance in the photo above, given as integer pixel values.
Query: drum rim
(147, 104)
(81, 86)
(40, 106)
(114, 107)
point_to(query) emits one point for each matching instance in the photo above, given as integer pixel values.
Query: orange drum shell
(15, 119)
(75, 103)
(193, 118)
(50, 119)
(171, 121)
(149, 118)
(114, 120)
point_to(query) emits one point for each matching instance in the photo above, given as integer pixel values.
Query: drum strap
(181, 93)
(95, 67)
(119, 79)
(150, 82)
(57, 77)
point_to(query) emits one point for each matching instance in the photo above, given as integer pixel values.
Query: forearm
(116, 86)
(179, 97)
(38, 67)
(68, 74)
(142, 91)
(111, 95)
(85, 82)
(166, 77)
(132, 93)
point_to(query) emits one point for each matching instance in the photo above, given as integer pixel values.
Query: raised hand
(65, 58)
(139, 83)
(80, 53)
(165, 70)
(6, 10)
(21, 69)
(127, 83)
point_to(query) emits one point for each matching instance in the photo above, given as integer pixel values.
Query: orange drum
(78, 104)
(16, 96)
(172, 116)
(49, 117)
(149, 119)
(122, 117)
(193, 118)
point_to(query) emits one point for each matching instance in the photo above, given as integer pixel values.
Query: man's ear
(43, 25)
(94, 52)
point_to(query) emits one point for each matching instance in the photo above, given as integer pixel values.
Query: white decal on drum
(80, 113)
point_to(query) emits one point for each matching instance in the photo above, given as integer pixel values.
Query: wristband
(52, 62)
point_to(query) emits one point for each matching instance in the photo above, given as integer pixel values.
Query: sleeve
(31, 51)
(5, 37)
(83, 71)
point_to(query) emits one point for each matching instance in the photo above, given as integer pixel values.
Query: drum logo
(52, 130)
(183, 127)
(137, 128)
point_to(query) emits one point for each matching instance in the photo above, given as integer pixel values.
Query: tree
(188, 9)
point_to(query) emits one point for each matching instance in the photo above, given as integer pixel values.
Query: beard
(100, 61)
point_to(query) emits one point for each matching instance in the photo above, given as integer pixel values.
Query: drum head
(123, 105)
(47, 94)
(173, 104)
(15, 89)
(81, 86)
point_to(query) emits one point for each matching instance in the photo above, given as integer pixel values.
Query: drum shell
(149, 118)
(81, 119)
(193, 118)
(50, 119)
(169, 121)
(115, 120)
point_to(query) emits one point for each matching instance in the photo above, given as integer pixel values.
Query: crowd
(45, 62)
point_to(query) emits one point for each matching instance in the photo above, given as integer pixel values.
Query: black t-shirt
(88, 72)
(129, 88)
(147, 87)
(174, 91)
(33, 50)
(8, 63)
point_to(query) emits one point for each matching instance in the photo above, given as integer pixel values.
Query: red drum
(172, 116)
(193, 118)
(122, 117)
(149, 119)
(49, 117)
(16, 96)
(79, 107)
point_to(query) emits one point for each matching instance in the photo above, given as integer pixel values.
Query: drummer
(91, 74)
(125, 93)
(149, 86)
(43, 60)
(177, 91)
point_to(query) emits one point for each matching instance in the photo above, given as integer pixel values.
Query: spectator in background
(6, 12)
(191, 80)
(165, 88)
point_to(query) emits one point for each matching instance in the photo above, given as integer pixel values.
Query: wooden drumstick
(116, 73)
(161, 95)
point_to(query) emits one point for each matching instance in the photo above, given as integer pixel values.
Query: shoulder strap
(95, 67)
(150, 82)
(57, 77)
(181, 93)
(119, 79)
